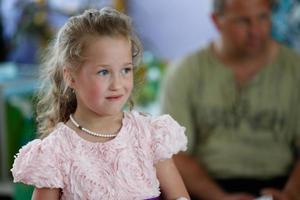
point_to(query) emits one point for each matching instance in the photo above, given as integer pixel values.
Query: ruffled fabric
(37, 164)
(122, 168)
(168, 137)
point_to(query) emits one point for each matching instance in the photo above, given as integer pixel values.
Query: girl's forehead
(105, 42)
(107, 50)
(91, 39)
(93, 43)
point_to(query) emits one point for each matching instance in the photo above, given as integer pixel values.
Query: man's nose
(254, 28)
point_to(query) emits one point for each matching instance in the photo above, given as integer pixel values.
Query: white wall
(172, 28)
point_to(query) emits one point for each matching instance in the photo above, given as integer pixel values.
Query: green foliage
(152, 69)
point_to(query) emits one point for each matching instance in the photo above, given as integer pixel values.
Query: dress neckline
(74, 135)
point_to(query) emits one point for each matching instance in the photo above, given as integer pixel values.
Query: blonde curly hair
(56, 101)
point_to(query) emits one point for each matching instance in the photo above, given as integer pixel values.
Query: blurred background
(168, 30)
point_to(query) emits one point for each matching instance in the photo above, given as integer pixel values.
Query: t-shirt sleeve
(176, 98)
(38, 164)
(168, 138)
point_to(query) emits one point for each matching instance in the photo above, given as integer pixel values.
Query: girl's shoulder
(164, 120)
(55, 141)
(163, 134)
(39, 161)
(58, 137)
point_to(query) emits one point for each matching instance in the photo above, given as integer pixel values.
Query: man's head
(219, 5)
(244, 26)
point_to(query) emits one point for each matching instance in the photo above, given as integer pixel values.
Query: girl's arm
(170, 180)
(46, 194)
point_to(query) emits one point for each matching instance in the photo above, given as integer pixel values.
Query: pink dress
(122, 168)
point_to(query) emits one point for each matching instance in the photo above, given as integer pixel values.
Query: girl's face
(104, 82)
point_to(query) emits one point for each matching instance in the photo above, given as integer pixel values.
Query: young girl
(91, 149)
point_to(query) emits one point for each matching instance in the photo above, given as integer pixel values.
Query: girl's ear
(69, 80)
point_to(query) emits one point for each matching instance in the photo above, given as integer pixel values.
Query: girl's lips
(114, 97)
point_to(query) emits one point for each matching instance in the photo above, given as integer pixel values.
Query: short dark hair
(219, 5)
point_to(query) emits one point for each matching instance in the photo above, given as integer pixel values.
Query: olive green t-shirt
(251, 132)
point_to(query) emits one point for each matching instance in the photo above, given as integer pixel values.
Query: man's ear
(216, 19)
(68, 77)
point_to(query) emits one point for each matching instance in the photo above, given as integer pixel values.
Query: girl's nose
(116, 82)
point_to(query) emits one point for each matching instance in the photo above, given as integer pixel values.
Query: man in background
(239, 99)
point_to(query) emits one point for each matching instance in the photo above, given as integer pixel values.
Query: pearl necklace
(91, 132)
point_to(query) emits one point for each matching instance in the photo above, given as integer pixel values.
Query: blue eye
(103, 72)
(126, 70)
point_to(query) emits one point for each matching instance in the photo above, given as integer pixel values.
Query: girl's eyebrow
(102, 65)
(129, 63)
(106, 65)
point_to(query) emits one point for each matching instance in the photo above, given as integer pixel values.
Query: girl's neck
(99, 123)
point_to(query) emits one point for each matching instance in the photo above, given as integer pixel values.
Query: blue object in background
(286, 23)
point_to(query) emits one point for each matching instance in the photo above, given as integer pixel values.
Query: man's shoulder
(288, 54)
(288, 60)
(201, 53)
(193, 60)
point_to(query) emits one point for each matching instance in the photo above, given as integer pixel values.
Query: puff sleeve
(38, 164)
(168, 137)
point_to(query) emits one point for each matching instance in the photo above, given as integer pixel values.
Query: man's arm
(292, 187)
(291, 190)
(196, 179)
(199, 184)
(176, 99)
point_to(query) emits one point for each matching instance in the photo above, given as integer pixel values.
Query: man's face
(245, 25)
